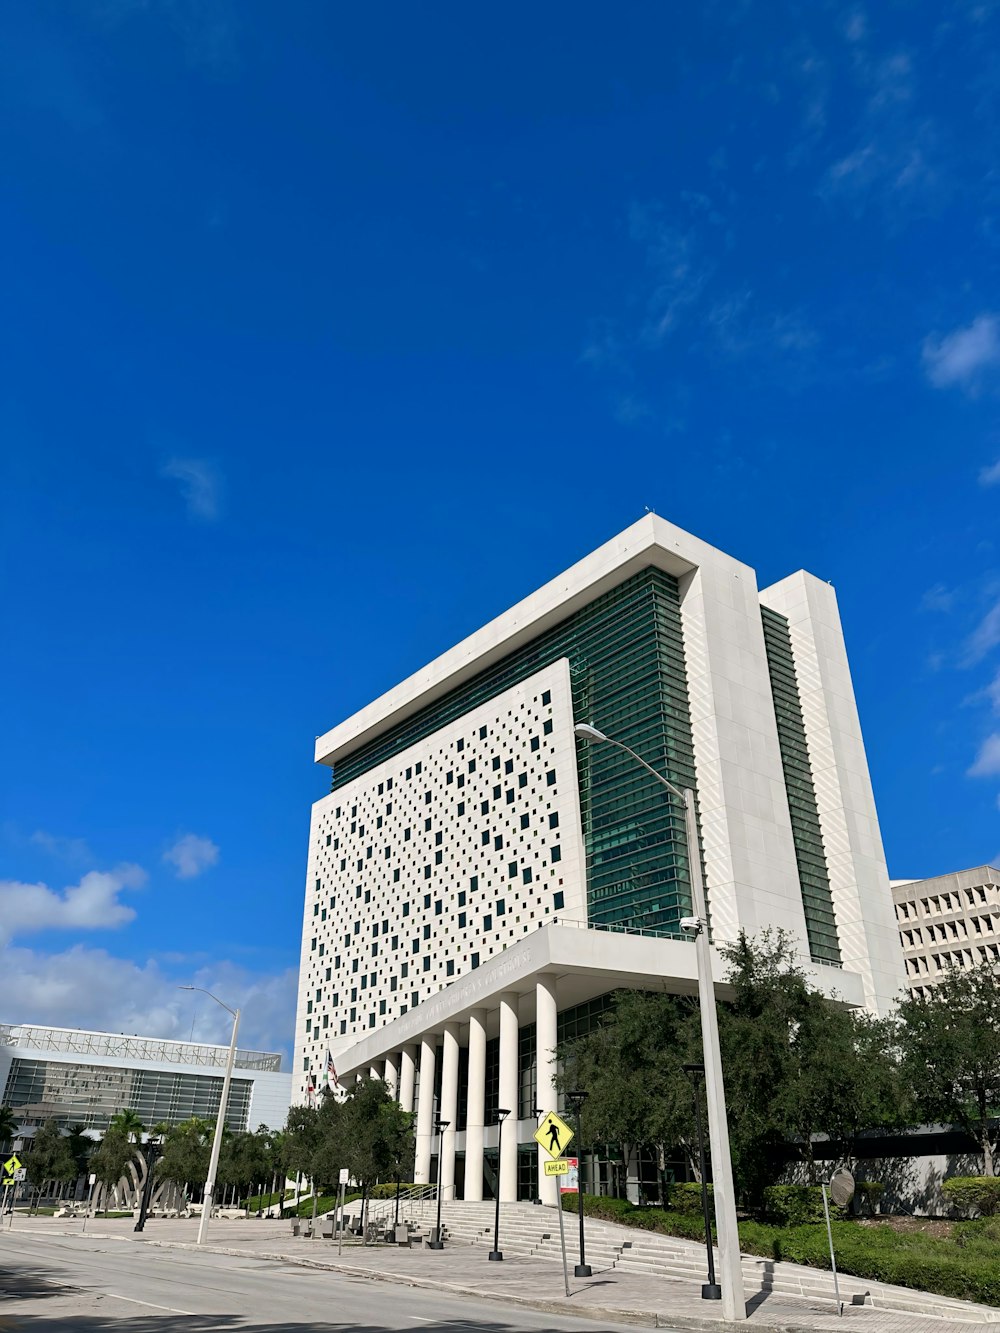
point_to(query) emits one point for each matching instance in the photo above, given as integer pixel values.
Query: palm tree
(8, 1125)
(128, 1123)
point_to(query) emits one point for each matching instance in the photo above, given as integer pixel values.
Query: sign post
(90, 1202)
(841, 1192)
(560, 1168)
(342, 1182)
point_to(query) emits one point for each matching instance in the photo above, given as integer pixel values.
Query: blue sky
(332, 331)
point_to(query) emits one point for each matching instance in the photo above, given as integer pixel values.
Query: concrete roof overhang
(585, 963)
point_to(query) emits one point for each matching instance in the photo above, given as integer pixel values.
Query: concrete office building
(480, 883)
(948, 921)
(84, 1078)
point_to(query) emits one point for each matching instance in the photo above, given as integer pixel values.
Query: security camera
(691, 925)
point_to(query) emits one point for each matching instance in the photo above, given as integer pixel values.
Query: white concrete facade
(447, 891)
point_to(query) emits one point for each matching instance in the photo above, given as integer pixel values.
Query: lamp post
(496, 1254)
(150, 1151)
(213, 1164)
(576, 1100)
(733, 1296)
(710, 1290)
(440, 1126)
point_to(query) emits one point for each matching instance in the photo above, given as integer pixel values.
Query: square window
(484, 808)
(485, 838)
(547, 727)
(550, 777)
(512, 870)
(522, 780)
(555, 854)
(547, 697)
(498, 843)
(460, 744)
(427, 902)
(554, 819)
(461, 808)
(461, 920)
(525, 821)
(535, 743)
(509, 766)
(501, 907)
(482, 733)
(474, 960)
(526, 875)
(426, 962)
(451, 967)
(488, 921)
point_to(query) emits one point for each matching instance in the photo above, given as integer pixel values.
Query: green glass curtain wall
(626, 656)
(814, 879)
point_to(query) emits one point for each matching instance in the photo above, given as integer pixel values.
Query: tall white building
(480, 884)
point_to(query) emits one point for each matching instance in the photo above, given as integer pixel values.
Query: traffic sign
(11, 1165)
(554, 1135)
(21, 1173)
(557, 1168)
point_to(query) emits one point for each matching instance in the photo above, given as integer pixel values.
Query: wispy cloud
(73, 850)
(990, 475)
(190, 855)
(966, 358)
(987, 762)
(985, 637)
(938, 598)
(86, 987)
(200, 484)
(93, 904)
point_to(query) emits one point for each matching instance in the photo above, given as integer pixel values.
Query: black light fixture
(496, 1254)
(440, 1126)
(576, 1100)
(710, 1290)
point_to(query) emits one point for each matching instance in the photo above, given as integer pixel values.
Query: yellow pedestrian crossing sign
(11, 1165)
(554, 1134)
(560, 1167)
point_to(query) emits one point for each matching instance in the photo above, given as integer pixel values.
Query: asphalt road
(75, 1283)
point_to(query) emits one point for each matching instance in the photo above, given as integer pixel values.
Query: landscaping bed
(957, 1259)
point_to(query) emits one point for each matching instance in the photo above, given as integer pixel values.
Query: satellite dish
(841, 1187)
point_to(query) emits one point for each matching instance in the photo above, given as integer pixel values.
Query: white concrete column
(374, 1071)
(508, 1097)
(449, 1109)
(425, 1112)
(391, 1074)
(546, 1011)
(476, 1106)
(407, 1071)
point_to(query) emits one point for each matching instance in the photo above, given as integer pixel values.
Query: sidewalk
(609, 1295)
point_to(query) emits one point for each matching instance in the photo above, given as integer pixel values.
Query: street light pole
(710, 1290)
(733, 1294)
(437, 1243)
(496, 1254)
(576, 1099)
(213, 1164)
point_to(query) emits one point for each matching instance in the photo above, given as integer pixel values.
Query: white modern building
(84, 1078)
(480, 883)
(946, 922)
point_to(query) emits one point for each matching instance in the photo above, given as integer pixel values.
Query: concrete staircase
(532, 1231)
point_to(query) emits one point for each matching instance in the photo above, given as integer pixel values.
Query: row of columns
(414, 1069)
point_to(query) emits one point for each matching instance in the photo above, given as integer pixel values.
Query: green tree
(950, 1041)
(81, 1146)
(186, 1152)
(9, 1122)
(300, 1139)
(129, 1123)
(632, 1070)
(50, 1158)
(375, 1135)
(109, 1160)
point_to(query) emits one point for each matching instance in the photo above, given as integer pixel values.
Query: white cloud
(200, 483)
(987, 761)
(990, 476)
(938, 598)
(984, 637)
(93, 904)
(965, 357)
(89, 988)
(190, 855)
(74, 850)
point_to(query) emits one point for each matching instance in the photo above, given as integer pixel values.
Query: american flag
(331, 1071)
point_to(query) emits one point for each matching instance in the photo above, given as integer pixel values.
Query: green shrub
(387, 1190)
(686, 1198)
(969, 1194)
(796, 1205)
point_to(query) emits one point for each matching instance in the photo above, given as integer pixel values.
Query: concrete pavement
(460, 1272)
